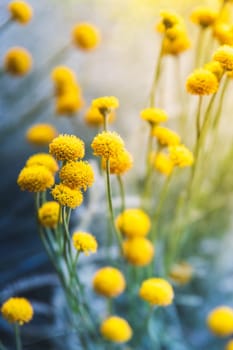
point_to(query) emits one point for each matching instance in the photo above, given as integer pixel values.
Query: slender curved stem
(156, 76)
(198, 118)
(220, 104)
(122, 192)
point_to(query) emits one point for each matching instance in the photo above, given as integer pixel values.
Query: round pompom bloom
(224, 55)
(215, 68)
(169, 19)
(20, 11)
(84, 242)
(133, 223)
(116, 329)
(223, 32)
(66, 196)
(107, 144)
(181, 273)
(176, 46)
(86, 36)
(163, 164)
(109, 282)
(154, 115)
(69, 103)
(138, 251)
(202, 82)
(181, 156)
(43, 159)
(41, 134)
(17, 310)
(36, 178)
(120, 164)
(17, 61)
(48, 214)
(204, 16)
(229, 345)
(67, 147)
(77, 175)
(165, 136)
(157, 291)
(62, 75)
(93, 117)
(220, 321)
(105, 104)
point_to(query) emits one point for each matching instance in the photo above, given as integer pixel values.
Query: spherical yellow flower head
(181, 273)
(41, 134)
(86, 36)
(154, 115)
(138, 251)
(84, 242)
(66, 196)
(18, 61)
(67, 147)
(215, 68)
(181, 156)
(107, 144)
(120, 164)
(69, 103)
(165, 136)
(157, 291)
(220, 321)
(176, 46)
(62, 75)
(20, 11)
(93, 117)
(17, 310)
(133, 223)
(105, 104)
(224, 55)
(163, 164)
(43, 159)
(48, 214)
(116, 329)
(229, 345)
(202, 82)
(223, 32)
(204, 16)
(109, 282)
(77, 175)
(169, 19)
(36, 178)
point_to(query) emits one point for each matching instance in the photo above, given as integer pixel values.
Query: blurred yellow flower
(133, 222)
(116, 329)
(107, 144)
(202, 82)
(69, 103)
(86, 36)
(120, 164)
(41, 134)
(62, 75)
(93, 117)
(169, 19)
(224, 55)
(181, 156)
(105, 104)
(163, 164)
(109, 282)
(138, 251)
(17, 61)
(84, 242)
(215, 68)
(43, 159)
(67, 147)
(48, 214)
(223, 32)
(176, 46)
(165, 136)
(154, 115)
(204, 16)
(20, 11)
(220, 321)
(36, 178)
(17, 310)
(157, 291)
(66, 196)
(77, 175)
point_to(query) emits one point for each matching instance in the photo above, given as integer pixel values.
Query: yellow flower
(204, 16)
(229, 345)
(119, 164)
(20, 11)
(154, 115)
(223, 32)
(93, 117)
(224, 55)
(169, 19)
(165, 136)
(138, 251)
(215, 68)
(62, 75)
(107, 144)
(18, 61)
(86, 36)
(17, 310)
(36, 178)
(157, 291)
(43, 159)
(133, 223)
(181, 273)
(66, 196)
(116, 329)
(67, 147)
(163, 164)
(69, 103)
(41, 134)
(181, 156)
(202, 82)
(109, 282)
(84, 242)
(48, 214)
(77, 175)
(105, 104)
(220, 321)
(176, 46)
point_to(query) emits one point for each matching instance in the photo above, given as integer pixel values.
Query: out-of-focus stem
(17, 337)
(156, 76)
(122, 192)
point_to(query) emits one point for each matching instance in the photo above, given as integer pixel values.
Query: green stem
(199, 47)
(220, 104)
(156, 76)
(122, 192)
(198, 118)
(6, 24)
(146, 187)
(18, 338)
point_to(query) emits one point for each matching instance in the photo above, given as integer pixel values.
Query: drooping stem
(122, 192)
(17, 337)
